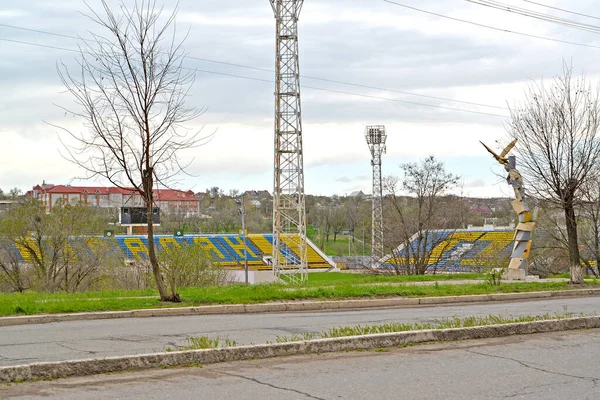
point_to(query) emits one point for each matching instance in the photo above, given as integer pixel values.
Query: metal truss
(290, 258)
(376, 137)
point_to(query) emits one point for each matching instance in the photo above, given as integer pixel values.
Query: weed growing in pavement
(446, 323)
(204, 342)
(381, 350)
(296, 338)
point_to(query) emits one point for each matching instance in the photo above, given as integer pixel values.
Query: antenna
(376, 137)
(289, 211)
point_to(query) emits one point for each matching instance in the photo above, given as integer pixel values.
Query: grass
(446, 323)
(31, 303)
(568, 276)
(204, 342)
(329, 278)
(343, 245)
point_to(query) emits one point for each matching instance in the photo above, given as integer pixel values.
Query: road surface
(101, 338)
(550, 366)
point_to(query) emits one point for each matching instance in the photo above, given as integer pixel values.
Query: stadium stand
(227, 249)
(460, 250)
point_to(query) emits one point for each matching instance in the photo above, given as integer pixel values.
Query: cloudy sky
(363, 42)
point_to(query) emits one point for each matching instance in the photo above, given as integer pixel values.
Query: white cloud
(366, 42)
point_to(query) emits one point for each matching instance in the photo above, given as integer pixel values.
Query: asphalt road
(551, 366)
(91, 339)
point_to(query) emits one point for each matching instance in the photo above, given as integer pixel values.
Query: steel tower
(376, 138)
(289, 212)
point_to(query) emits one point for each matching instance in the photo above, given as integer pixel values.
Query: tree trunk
(596, 247)
(576, 271)
(160, 283)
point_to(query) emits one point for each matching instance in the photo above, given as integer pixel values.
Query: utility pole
(242, 211)
(376, 137)
(289, 210)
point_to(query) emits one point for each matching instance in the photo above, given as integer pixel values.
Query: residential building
(6, 204)
(168, 200)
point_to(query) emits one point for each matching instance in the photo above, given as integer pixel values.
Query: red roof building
(168, 200)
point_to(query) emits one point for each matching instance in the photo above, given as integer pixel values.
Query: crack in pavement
(71, 348)
(16, 359)
(310, 396)
(512, 396)
(121, 339)
(532, 389)
(593, 380)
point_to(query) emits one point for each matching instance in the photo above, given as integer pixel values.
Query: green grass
(342, 246)
(205, 342)
(568, 276)
(446, 323)
(38, 303)
(329, 278)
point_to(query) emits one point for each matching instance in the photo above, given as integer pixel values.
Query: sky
(379, 47)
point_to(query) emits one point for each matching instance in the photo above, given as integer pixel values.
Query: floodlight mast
(376, 137)
(289, 211)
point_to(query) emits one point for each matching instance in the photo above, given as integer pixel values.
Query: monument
(517, 268)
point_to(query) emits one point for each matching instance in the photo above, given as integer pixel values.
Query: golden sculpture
(527, 216)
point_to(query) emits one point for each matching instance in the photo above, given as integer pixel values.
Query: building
(258, 195)
(168, 200)
(357, 193)
(7, 204)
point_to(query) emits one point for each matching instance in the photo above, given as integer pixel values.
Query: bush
(190, 266)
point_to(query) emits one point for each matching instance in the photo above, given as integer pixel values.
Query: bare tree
(557, 128)
(12, 272)
(355, 210)
(56, 261)
(338, 221)
(412, 219)
(131, 90)
(590, 226)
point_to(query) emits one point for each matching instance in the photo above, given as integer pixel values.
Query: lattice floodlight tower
(517, 268)
(289, 212)
(376, 137)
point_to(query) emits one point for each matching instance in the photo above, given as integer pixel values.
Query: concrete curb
(54, 370)
(293, 306)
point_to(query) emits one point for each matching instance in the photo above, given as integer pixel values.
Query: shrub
(190, 266)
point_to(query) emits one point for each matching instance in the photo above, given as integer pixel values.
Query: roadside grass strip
(330, 278)
(32, 303)
(377, 338)
(205, 342)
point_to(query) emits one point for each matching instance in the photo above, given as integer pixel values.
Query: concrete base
(514, 274)
(254, 277)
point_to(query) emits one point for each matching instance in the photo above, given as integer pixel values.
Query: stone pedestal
(512, 274)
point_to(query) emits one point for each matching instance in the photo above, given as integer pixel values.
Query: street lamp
(242, 211)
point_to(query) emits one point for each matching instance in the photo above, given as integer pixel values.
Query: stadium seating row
(456, 250)
(227, 249)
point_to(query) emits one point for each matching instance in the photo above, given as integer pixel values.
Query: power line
(39, 31)
(536, 15)
(404, 101)
(272, 71)
(39, 45)
(272, 82)
(562, 9)
(492, 27)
